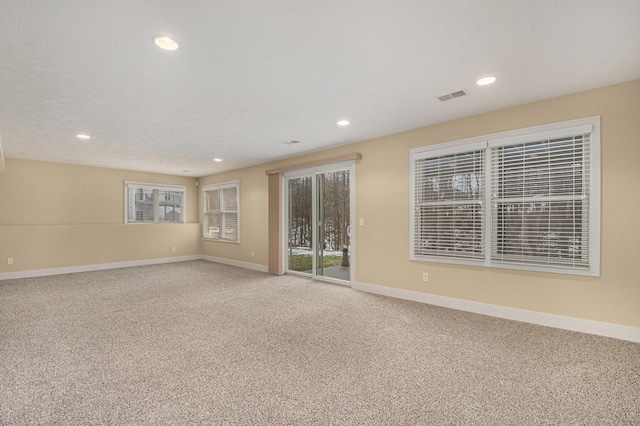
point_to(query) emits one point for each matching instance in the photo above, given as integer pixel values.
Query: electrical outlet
(9, 260)
(173, 249)
(253, 254)
(425, 277)
(362, 221)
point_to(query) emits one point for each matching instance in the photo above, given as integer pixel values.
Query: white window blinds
(221, 209)
(448, 208)
(524, 199)
(540, 202)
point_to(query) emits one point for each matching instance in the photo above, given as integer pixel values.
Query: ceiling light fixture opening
(486, 80)
(218, 160)
(343, 123)
(83, 136)
(291, 142)
(166, 43)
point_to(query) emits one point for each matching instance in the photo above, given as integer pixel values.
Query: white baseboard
(95, 267)
(238, 263)
(615, 331)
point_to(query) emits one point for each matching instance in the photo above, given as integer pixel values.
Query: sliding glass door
(319, 231)
(300, 224)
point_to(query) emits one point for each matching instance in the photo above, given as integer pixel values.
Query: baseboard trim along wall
(95, 267)
(615, 331)
(238, 263)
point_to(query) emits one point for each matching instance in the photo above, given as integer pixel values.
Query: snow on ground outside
(306, 251)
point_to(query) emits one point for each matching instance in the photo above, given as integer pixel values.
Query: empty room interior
(249, 212)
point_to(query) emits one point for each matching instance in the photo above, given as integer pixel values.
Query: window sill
(217, 240)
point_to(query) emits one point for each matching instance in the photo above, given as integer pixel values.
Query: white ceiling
(252, 74)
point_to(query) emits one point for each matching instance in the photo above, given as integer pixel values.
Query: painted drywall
(253, 218)
(382, 200)
(60, 215)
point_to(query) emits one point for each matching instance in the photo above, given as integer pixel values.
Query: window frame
(153, 186)
(493, 142)
(219, 187)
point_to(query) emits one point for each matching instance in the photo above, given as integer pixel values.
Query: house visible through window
(525, 199)
(221, 211)
(151, 203)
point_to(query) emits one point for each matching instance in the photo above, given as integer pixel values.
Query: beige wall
(253, 217)
(59, 215)
(382, 199)
(54, 215)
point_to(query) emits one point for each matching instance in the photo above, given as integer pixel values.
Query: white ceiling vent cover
(453, 95)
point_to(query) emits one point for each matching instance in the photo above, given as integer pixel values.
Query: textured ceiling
(252, 74)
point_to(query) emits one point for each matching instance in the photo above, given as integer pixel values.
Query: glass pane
(212, 201)
(213, 225)
(549, 233)
(170, 206)
(229, 226)
(333, 251)
(450, 178)
(230, 199)
(143, 205)
(449, 215)
(300, 226)
(452, 231)
(541, 216)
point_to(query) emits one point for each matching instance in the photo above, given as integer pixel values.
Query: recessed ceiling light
(166, 43)
(343, 123)
(291, 142)
(83, 136)
(218, 160)
(486, 80)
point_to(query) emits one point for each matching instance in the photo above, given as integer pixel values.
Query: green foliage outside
(301, 262)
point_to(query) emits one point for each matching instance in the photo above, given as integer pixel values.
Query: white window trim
(550, 131)
(219, 186)
(161, 187)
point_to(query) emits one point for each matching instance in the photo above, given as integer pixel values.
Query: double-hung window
(526, 199)
(154, 203)
(221, 219)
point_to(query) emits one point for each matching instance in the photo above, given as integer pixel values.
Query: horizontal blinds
(448, 205)
(229, 226)
(212, 201)
(230, 199)
(229, 218)
(221, 211)
(540, 202)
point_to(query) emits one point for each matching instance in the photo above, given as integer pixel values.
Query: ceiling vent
(453, 95)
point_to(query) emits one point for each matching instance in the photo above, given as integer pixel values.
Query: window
(526, 199)
(221, 211)
(152, 203)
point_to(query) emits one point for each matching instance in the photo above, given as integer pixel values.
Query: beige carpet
(203, 343)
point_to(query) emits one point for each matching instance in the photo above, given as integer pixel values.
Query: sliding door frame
(313, 172)
(276, 213)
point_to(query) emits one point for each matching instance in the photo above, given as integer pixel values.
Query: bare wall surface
(253, 217)
(59, 215)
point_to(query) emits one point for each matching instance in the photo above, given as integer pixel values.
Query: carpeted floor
(204, 343)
